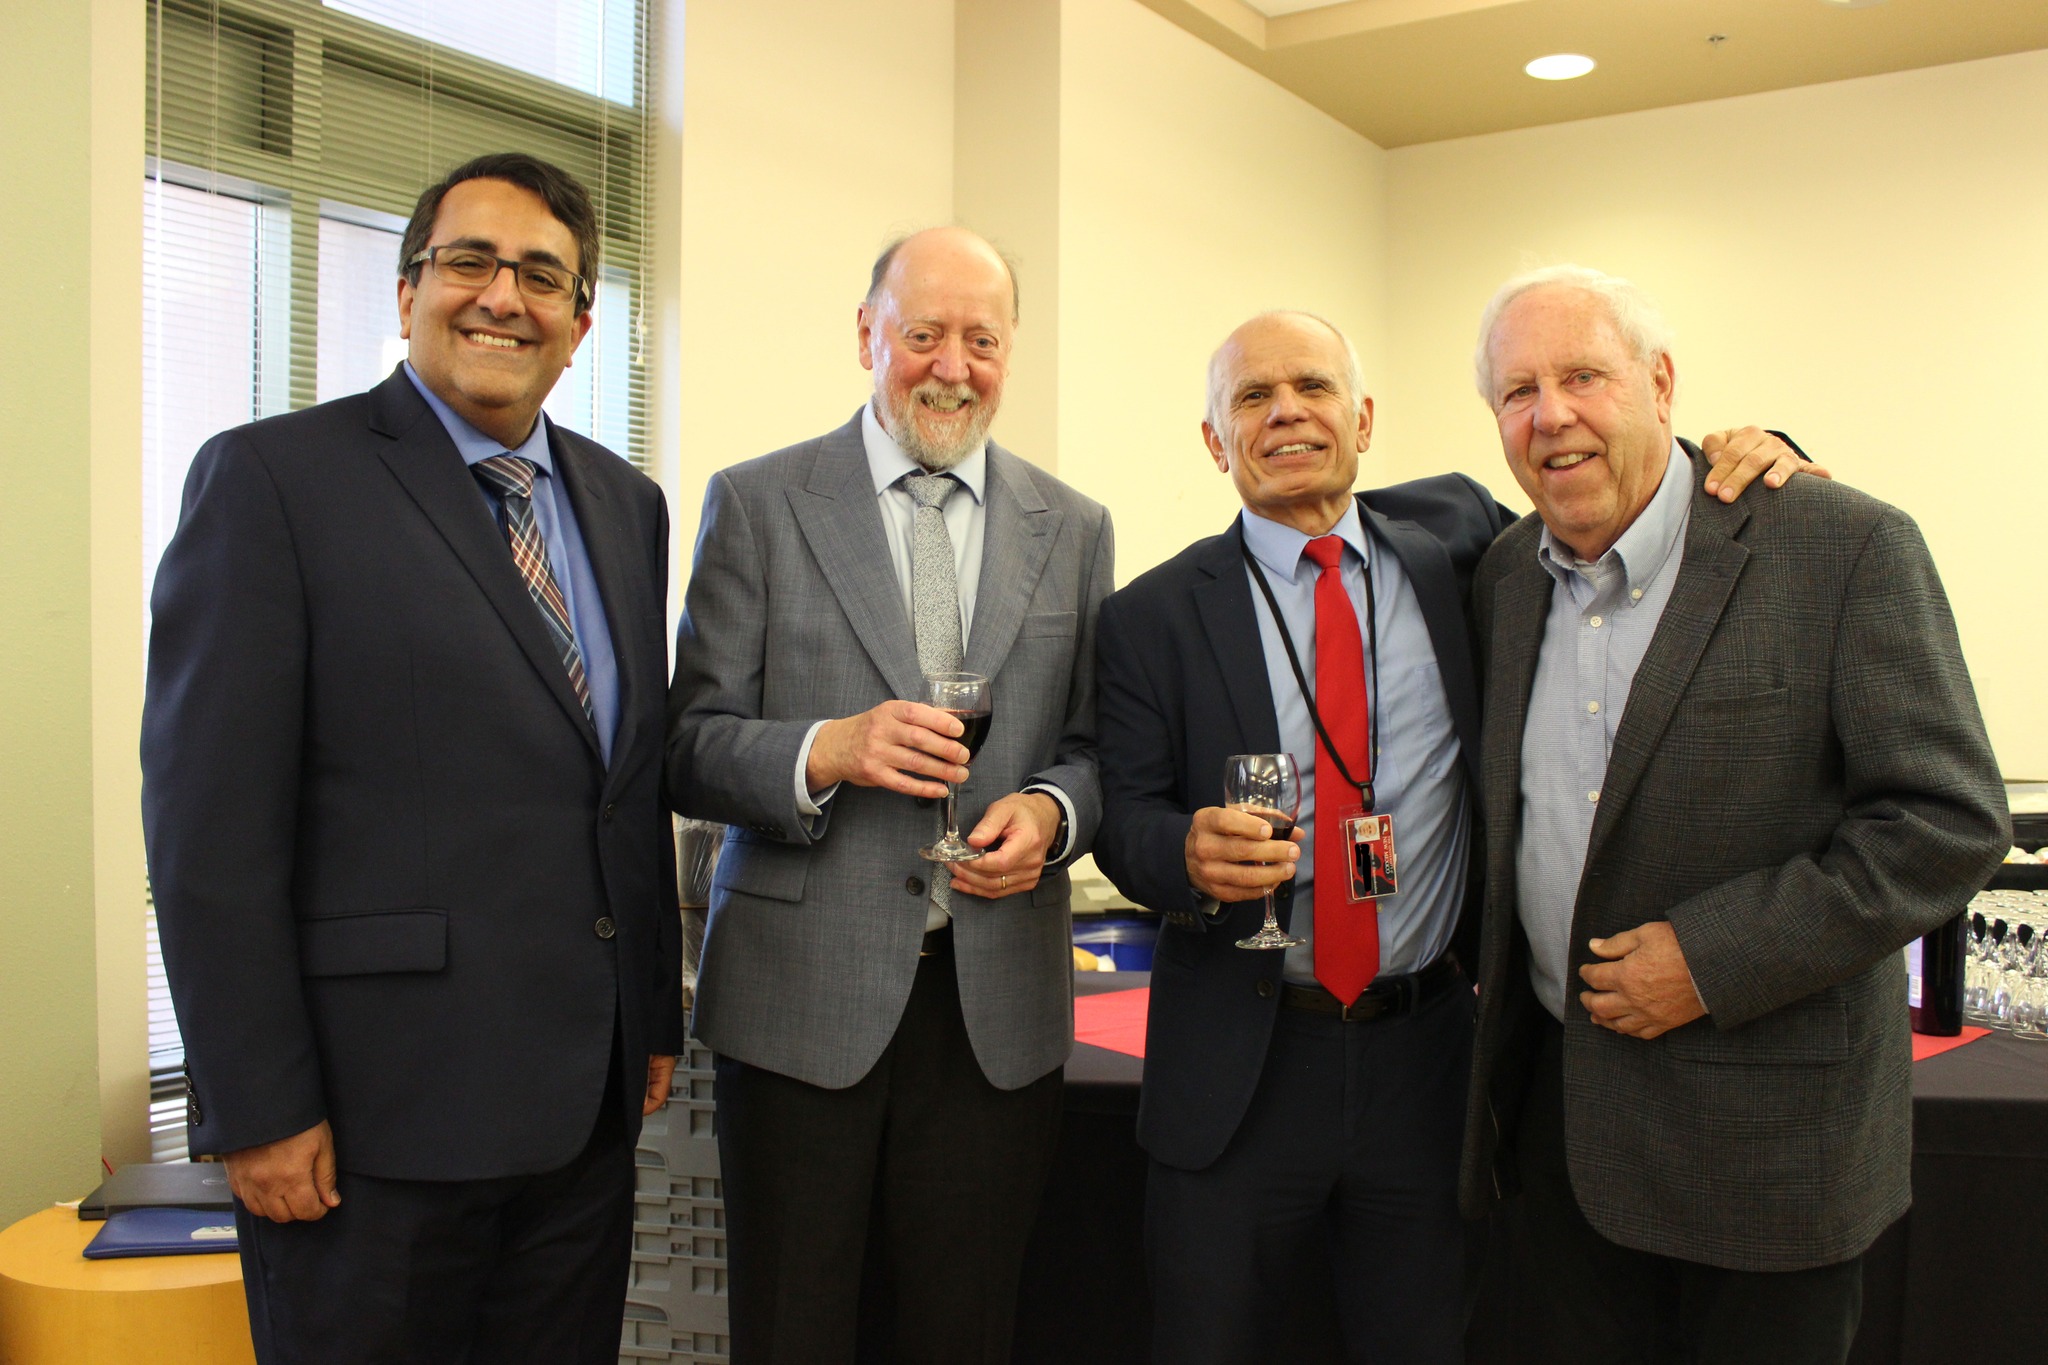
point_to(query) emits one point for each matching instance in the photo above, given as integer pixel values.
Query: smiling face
(1585, 423)
(1292, 430)
(937, 335)
(492, 354)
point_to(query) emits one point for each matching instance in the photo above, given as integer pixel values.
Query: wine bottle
(1934, 968)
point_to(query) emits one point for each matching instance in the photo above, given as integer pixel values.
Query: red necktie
(1347, 938)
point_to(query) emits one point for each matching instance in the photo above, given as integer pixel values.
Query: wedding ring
(1006, 881)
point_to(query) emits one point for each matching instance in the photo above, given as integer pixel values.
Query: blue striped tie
(512, 479)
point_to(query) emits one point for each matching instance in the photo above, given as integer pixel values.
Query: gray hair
(1636, 320)
(1219, 377)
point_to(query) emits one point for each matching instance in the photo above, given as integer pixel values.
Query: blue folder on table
(162, 1232)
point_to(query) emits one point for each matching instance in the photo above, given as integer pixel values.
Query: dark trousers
(1598, 1303)
(521, 1270)
(1350, 1143)
(921, 1172)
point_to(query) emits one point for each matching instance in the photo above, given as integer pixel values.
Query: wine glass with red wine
(1265, 785)
(965, 697)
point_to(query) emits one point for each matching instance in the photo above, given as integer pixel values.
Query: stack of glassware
(2005, 979)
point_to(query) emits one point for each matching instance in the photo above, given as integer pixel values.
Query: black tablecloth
(1952, 1280)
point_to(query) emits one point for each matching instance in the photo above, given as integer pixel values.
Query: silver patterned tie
(934, 602)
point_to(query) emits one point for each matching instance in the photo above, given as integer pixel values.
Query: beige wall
(68, 387)
(813, 131)
(1860, 263)
(1193, 193)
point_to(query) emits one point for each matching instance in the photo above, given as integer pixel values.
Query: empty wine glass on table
(1268, 786)
(967, 698)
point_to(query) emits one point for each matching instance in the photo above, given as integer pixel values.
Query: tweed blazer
(1801, 785)
(794, 615)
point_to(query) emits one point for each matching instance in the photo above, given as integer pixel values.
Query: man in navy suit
(1286, 1102)
(415, 880)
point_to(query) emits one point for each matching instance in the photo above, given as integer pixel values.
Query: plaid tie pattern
(934, 600)
(511, 478)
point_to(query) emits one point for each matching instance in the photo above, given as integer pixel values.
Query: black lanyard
(1308, 696)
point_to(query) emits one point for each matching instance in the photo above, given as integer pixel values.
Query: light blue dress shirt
(1419, 775)
(1602, 616)
(554, 513)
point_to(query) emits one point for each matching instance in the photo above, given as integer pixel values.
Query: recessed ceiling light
(1559, 66)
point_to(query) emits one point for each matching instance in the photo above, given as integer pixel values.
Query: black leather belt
(1385, 997)
(936, 941)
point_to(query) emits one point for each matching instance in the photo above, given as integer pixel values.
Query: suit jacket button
(611, 808)
(914, 885)
(1265, 989)
(605, 928)
(192, 1110)
(925, 801)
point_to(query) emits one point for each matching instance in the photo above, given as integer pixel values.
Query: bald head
(941, 239)
(936, 329)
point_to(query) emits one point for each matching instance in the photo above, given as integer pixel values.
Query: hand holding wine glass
(1268, 786)
(967, 697)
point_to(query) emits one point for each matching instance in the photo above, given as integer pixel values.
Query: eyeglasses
(473, 269)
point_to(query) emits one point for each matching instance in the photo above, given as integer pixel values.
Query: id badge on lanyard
(1370, 838)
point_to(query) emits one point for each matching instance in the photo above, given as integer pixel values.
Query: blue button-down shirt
(567, 555)
(1419, 776)
(1602, 616)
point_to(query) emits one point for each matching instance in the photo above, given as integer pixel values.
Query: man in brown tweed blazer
(1732, 764)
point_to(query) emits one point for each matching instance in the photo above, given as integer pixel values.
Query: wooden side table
(57, 1308)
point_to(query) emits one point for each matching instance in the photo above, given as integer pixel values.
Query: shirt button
(1594, 623)
(604, 926)
(914, 885)
(1593, 708)
(1593, 796)
(1635, 594)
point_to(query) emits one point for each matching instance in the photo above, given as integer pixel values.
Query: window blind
(287, 142)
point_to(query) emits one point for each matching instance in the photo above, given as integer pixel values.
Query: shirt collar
(887, 463)
(1280, 547)
(473, 445)
(1646, 545)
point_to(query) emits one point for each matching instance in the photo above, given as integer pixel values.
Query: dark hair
(888, 258)
(564, 194)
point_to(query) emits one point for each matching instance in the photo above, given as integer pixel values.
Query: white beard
(913, 442)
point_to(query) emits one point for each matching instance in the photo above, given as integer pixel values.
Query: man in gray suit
(890, 1031)
(1732, 764)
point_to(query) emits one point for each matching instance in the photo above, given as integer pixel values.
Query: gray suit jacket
(1801, 784)
(794, 615)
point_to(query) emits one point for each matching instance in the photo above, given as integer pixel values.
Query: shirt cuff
(1055, 856)
(808, 805)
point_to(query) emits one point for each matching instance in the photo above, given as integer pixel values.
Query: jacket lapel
(1435, 583)
(1018, 531)
(421, 456)
(1223, 601)
(836, 511)
(611, 553)
(1707, 572)
(1521, 601)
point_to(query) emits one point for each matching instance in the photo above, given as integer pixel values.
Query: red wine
(1282, 825)
(977, 723)
(1935, 969)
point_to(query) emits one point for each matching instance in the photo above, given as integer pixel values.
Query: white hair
(1636, 319)
(1219, 370)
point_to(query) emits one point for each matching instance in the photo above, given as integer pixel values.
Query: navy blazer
(397, 886)
(1182, 685)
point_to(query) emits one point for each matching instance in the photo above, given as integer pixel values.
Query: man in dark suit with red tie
(401, 754)
(1315, 1094)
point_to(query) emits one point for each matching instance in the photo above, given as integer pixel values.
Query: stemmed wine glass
(1268, 786)
(966, 697)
